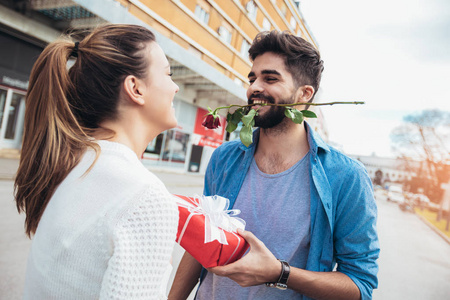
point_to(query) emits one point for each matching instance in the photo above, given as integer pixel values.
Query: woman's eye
(170, 74)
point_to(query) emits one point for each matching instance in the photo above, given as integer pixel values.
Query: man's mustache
(267, 98)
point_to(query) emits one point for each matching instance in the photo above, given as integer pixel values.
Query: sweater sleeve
(143, 240)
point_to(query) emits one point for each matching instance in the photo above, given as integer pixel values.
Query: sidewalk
(8, 167)
(430, 218)
(14, 246)
(176, 181)
(170, 176)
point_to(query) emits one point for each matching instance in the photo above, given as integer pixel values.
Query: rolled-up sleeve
(356, 244)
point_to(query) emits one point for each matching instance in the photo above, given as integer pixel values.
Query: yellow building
(206, 41)
(219, 32)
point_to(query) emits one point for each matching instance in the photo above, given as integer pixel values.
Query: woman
(103, 225)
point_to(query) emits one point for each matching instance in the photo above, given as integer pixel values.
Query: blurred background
(393, 55)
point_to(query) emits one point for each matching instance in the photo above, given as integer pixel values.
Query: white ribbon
(218, 218)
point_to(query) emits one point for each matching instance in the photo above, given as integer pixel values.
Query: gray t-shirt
(276, 208)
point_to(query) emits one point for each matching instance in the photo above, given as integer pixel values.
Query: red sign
(209, 142)
(216, 134)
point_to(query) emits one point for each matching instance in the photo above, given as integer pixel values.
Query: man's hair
(302, 60)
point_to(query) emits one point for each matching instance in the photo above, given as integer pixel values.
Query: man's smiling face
(270, 82)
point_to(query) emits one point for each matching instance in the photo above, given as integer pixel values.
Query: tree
(426, 137)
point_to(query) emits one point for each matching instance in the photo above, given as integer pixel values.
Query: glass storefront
(18, 52)
(188, 146)
(3, 94)
(176, 147)
(171, 148)
(13, 116)
(12, 109)
(168, 149)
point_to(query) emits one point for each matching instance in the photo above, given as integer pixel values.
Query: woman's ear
(305, 93)
(134, 88)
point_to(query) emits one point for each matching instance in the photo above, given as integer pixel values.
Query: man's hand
(260, 266)
(257, 267)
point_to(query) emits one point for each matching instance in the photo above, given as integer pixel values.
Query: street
(14, 245)
(414, 260)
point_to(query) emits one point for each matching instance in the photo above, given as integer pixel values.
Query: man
(303, 201)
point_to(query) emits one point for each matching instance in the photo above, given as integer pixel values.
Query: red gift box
(207, 230)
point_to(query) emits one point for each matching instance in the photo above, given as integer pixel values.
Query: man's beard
(274, 115)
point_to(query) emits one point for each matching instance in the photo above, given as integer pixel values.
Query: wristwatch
(284, 276)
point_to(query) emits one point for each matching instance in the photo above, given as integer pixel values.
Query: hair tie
(74, 52)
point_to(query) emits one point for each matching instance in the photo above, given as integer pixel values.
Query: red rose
(211, 122)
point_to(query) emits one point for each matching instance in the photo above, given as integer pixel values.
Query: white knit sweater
(106, 235)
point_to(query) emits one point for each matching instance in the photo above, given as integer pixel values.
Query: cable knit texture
(105, 234)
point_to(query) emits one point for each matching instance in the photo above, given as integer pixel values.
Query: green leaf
(247, 119)
(293, 114)
(246, 135)
(309, 114)
(231, 127)
(298, 116)
(288, 113)
(237, 115)
(229, 117)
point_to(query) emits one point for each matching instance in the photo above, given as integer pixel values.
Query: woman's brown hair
(64, 107)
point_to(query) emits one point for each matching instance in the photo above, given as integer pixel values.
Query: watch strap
(286, 270)
(284, 276)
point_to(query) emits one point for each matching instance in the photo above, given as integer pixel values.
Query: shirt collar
(315, 141)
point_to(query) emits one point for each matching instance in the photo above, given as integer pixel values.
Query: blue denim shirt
(343, 208)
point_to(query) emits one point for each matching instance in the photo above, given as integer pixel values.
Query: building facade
(206, 42)
(384, 170)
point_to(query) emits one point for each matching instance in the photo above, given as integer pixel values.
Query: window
(252, 9)
(293, 23)
(3, 95)
(13, 116)
(244, 48)
(284, 10)
(224, 34)
(266, 24)
(202, 14)
(175, 149)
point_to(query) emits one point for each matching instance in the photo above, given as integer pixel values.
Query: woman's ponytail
(53, 140)
(65, 108)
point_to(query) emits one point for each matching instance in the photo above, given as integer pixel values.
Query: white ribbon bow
(218, 218)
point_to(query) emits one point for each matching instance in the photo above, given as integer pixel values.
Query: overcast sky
(392, 54)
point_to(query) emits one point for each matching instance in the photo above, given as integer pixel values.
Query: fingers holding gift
(242, 276)
(258, 266)
(207, 230)
(252, 240)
